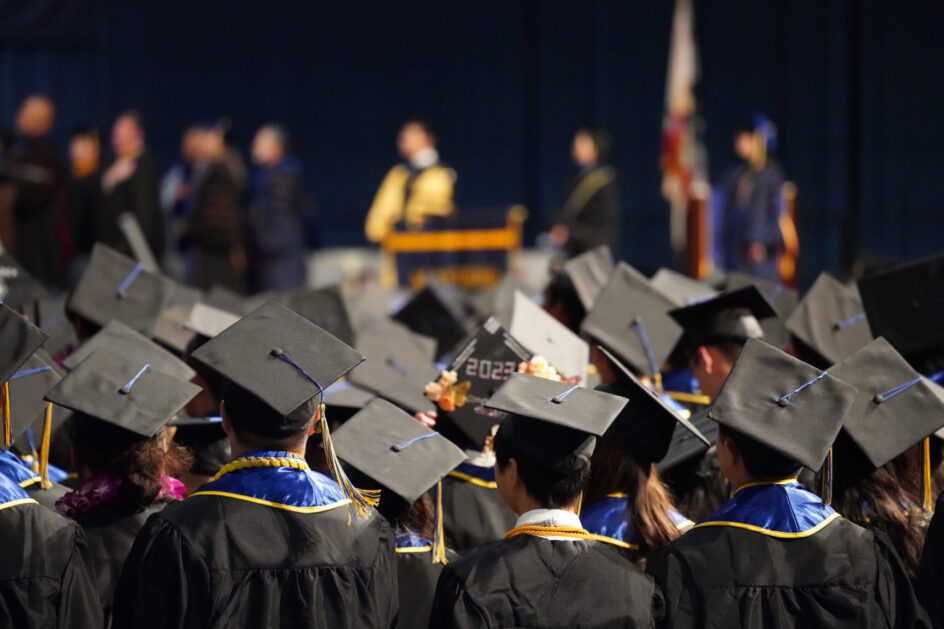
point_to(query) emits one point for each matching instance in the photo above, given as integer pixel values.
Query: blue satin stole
(783, 509)
(475, 474)
(286, 488)
(11, 493)
(410, 542)
(17, 470)
(611, 520)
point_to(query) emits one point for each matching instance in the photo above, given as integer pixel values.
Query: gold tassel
(44, 450)
(928, 505)
(361, 499)
(6, 415)
(579, 502)
(657, 382)
(439, 541)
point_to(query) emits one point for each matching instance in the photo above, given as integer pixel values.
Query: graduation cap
(732, 317)
(557, 423)
(119, 339)
(647, 424)
(906, 306)
(344, 399)
(208, 321)
(285, 361)
(681, 289)
(487, 360)
(226, 299)
(115, 287)
(783, 403)
(18, 340)
(399, 365)
(18, 289)
(784, 300)
(325, 308)
(685, 445)
(545, 336)
(631, 319)
(590, 272)
(54, 322)
(830, 321)
(124, 391)
(499, 300)
(895, 409)
(206, 440)
(428, 314)
(370, 303)
(170, 329)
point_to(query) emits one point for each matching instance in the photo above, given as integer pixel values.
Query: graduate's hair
(561, 291)
(613, 469)
(247, 412)
(876, 502)
(760, 461)
(139, 462)
(698, 485)
(550, 488)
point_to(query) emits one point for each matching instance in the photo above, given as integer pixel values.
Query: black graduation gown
(418, 574)
(138, 194)
(47, 497)
(215, 561)
(110, 532)
(46, 575)
(841, 576)
(529, 581)
(931, 571)
(591, 210)
(473, 513)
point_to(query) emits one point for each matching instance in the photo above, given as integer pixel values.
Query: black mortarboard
(281, 359)
(783, 403)
(170, 330)
(499, 300)
(206, 440)
(646, 424)
(18, 289)
(206, 320)
(544, 335)
(123, 391)
(344, 399)
(590, 272)
(399, 365)
(18, 340)
(906, 306)
(119, 339)
(28, 388)
(55, 323)
(783, 299)
(685, 445)
(681, 289)
(732, 317)
(370, 303)
(396, 451)
(558, 423)
(115, 287)
(895, 409)
(631, 319)
(325, 308)
(226, 299)
(830, 320)
(486, 361)
(428, 314)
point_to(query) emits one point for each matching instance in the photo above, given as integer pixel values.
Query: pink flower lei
(102, 489)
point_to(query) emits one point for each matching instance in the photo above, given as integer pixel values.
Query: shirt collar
(424, 159)
(549, 517)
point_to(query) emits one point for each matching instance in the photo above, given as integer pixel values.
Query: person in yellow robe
(414, 190)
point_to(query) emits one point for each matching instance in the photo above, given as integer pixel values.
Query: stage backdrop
(856, 89)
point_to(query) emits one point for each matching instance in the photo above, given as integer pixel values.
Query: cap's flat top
(18, 340)
(545, 336)
(119, 339)
(831, 320)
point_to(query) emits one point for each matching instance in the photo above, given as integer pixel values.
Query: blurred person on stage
(418, 188)
(85, 191)
(177, 201)
(130, 184)
(750, 204)
(590, 214)
(277, 209)
(38, 234)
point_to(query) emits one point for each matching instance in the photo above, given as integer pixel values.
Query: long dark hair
(419, 518)
(139, 462)
(612, 469)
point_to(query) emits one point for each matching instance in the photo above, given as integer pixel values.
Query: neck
(526, 503)
(749, 481)
(239, 450)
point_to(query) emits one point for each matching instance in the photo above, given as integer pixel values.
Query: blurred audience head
(36, 116)
(84, 149)
(127, 134)
(590, 147)
(190, 144)
(270, 145)
(415, 136)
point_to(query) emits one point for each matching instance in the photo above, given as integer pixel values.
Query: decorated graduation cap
(18, 289)
(556, 423)
(545, 336)
(398, 366)
(170, 329)
(631, 319)
(119, 339)
(400, 455)
(208, 321)
(31, 413)
(830, 322)
(906, 306)
(783, 298)
(115, 287)
(783, 403)
(681, 289)
(325, 308)
(427, 313)
(18, 340)
(482, 365)
(646, 424)
(589, 272)
(284, 362)
(730, 317)
(124, 391)
(895, 409)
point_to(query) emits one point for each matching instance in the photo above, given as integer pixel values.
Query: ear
(706, 358)
(512, 471)
(227, 422)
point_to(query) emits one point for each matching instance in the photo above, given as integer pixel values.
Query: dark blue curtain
(855, 87)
